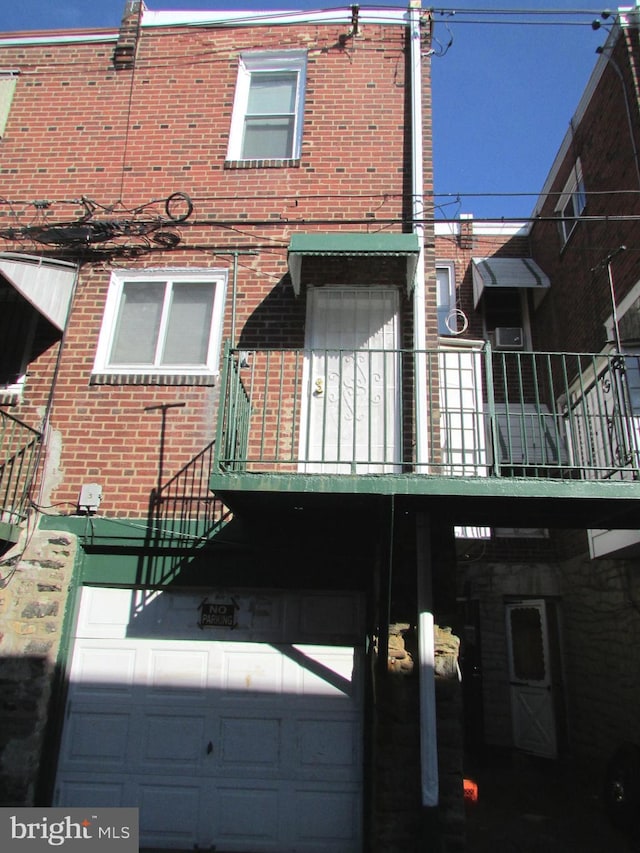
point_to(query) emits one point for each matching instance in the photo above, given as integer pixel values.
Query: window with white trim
(162, 322)
(572, 203)
(446, 298)
(266, 123)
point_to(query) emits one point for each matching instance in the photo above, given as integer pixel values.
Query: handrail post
(491, 409)
(223, 402)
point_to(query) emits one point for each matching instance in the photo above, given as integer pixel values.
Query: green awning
(350, 244)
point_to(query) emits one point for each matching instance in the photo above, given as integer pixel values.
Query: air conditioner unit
(509, 337)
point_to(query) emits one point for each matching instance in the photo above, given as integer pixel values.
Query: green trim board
(244, 555)
(352, 244)
(134, 552)
(492, 501)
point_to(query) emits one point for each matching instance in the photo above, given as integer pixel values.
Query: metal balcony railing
(184, 506)
(18, 457)
(490, 413)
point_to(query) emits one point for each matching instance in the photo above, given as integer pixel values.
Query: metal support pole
(426, 652)
(235, 254)
(612, 291)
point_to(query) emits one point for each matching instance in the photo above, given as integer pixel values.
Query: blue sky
(503, 92)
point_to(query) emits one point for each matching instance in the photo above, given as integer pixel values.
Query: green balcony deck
(512, 438)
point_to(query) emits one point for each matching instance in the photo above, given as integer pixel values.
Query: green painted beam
(494, 502)
(398, 484)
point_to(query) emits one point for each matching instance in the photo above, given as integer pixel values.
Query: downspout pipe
(426, 648)
(417, 212)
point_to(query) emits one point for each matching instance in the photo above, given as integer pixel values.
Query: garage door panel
(217, 739)
(169, 813)
(170, 741)
(325, 671)
(328, 748)
(250, 668)
(250, 743)
(97, 669)
(234, 831)
(86, 792)
(178, 670)
(312, 806)
(97, 736)
(104, 613)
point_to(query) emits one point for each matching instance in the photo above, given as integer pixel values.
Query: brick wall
(472, 241)
(571, 317)
(125, 136)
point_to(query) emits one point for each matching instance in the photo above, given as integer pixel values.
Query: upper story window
(572, 203)
(267, 112)
(8, 79)
(448, 317)
(163, 322)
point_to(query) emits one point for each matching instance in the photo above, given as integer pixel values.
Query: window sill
(153, 379)
(291, 162)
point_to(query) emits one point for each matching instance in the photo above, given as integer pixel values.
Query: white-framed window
(448, 317)
(572, 203)
(162, 322)
(8, 80)
(268, 107)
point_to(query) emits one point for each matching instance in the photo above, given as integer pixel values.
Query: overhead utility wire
(119, 209)
(565, 12)
(289, 16)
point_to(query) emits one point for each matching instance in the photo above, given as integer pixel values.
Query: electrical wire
(295, 199)
(454, 15)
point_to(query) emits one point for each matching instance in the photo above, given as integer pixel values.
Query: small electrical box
(90, 497)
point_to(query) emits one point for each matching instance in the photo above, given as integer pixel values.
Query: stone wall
(400, 824)
(601, 630)
(35, 576)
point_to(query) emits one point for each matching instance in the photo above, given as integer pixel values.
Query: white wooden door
(462, 424)
(350, 423)
(531, 678)
(245, 744)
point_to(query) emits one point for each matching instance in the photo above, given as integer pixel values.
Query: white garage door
(229, 720)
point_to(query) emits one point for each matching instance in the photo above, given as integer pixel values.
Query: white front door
(531, 678)
(462, 424)
(234, 736)
(350, 423)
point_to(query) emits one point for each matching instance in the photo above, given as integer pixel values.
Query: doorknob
(209, 748)
(319, 386)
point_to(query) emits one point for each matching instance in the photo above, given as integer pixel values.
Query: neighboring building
(269, 435)
(544, 603)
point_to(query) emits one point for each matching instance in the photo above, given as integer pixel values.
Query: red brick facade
(123, 137)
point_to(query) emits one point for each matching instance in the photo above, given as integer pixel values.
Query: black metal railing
(184, 507)
(19, 445)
